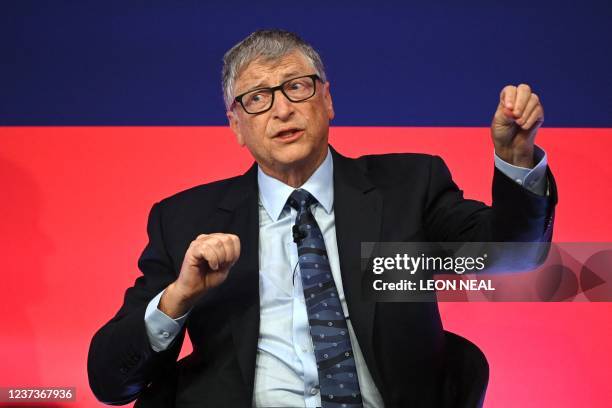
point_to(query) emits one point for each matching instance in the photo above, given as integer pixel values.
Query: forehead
(263, 72)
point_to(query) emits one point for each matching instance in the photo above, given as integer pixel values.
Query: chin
(295, 154)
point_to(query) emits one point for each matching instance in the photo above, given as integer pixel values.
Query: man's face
(291, 135)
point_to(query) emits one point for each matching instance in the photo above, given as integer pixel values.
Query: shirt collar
(273, 193)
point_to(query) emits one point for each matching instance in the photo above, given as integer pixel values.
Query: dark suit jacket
(394, 197)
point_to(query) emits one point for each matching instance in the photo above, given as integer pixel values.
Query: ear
(327, 99)
(233, 123)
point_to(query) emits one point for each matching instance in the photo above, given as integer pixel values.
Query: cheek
(319, 121)
(255, 142)
(251, 134)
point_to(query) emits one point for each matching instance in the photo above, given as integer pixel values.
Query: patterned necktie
(332, 345)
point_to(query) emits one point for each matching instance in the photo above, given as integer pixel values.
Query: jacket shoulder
(396, 158)
(202, 196)
(397, 168)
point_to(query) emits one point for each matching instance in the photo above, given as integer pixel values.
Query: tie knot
(301, 200)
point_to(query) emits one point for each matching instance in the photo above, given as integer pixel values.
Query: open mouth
(289, 134)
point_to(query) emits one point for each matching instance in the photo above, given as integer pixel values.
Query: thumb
(507, 98)
(503, 115)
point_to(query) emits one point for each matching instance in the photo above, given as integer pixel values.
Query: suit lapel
(358, 213)
(239, 209)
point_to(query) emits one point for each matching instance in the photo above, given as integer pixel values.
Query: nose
(282, 108)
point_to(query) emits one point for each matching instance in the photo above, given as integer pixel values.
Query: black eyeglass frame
(273, 90)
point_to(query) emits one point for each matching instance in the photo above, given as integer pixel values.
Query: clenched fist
(206, 265)
(515, 124)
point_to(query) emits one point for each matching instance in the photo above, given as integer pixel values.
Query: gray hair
(269, 45)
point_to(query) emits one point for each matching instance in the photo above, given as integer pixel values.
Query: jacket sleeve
(121, 362)
(516, 214)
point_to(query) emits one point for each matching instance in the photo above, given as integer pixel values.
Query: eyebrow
(262, 83)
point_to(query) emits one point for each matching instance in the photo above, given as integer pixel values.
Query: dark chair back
(466, 374)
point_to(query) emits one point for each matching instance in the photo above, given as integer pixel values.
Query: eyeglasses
(296, 90)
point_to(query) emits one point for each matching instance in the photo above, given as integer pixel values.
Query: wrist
(520, 158)
(175, 302)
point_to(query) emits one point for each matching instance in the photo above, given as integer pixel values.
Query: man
(264, 269)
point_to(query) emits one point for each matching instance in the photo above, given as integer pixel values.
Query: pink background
(74, 203)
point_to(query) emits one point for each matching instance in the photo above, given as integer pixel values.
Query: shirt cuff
(161, 328)
(534, 179)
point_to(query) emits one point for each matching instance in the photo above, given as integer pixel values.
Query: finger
(235, 244)
(218, 244)
(209, 254)
(535, 119)
(523, 93)
(228, 250)
(226, 246)
(533, 102)
(507, 97)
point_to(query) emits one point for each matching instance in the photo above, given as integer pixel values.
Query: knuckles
(216, 241)
(524, 87)
(216, 238)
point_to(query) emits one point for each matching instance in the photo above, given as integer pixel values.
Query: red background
(74, 203)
